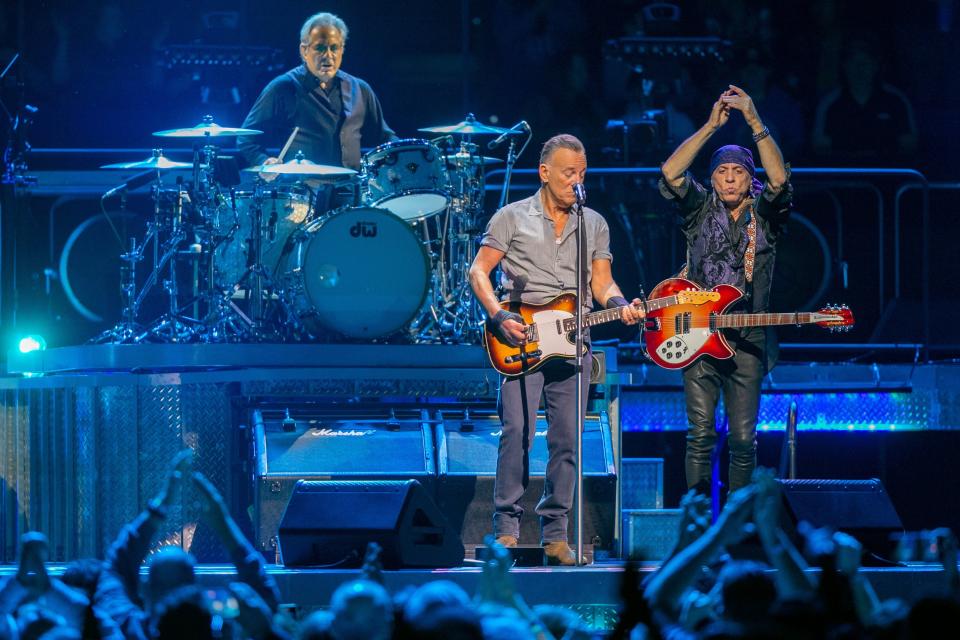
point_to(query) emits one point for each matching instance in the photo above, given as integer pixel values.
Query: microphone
(512, 131)
(580, 193)
(133, 182)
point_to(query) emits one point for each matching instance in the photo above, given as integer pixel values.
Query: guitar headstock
(694, 296)
(835, 317)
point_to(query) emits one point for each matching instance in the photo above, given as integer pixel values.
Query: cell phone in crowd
(919, 546)
(223, 603)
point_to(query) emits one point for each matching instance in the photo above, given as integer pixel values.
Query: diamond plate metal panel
(208, 428)
(649, 534)
(641, 483)
(87, 464)
(160, 427)
(599, 617)
(118, 460)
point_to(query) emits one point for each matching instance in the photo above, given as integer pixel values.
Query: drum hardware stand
(170, 326)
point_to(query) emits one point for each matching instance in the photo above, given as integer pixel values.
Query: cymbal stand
(128, 328)
(170, 326)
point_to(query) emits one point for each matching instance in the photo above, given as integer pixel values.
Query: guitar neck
(609, 315)
(739, 320)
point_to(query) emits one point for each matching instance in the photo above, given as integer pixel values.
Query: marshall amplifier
(467, 444)
(319, 445)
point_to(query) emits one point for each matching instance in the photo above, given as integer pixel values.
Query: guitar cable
(643, 325)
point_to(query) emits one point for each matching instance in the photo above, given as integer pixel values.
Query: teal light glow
(30, 343)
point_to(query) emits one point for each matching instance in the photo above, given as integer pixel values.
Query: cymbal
(463, 159)
(206, 130)
(469, 126)
(302, 167)
(153, 162)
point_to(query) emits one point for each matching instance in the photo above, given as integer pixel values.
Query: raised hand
(179, 466)
(719, 114)
(735, 518)
(766, 509)
(694, 517)
(737, 98)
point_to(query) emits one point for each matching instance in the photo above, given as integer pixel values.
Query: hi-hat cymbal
(153, 162)
(206, 130)
(464, 159)
(470, 126)
(302, 167)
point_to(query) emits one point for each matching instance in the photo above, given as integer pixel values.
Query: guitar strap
(748, 258)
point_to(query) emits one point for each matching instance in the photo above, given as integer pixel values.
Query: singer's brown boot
(559, 553)
(507, 541)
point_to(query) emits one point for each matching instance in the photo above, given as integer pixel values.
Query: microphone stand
(578, 514)
(511, 159)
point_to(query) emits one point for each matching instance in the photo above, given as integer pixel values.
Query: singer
(336, 112)
(534, 242)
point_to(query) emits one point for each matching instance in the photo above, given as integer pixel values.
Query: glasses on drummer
(332, 48)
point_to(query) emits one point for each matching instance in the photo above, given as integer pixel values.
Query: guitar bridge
(524, 356)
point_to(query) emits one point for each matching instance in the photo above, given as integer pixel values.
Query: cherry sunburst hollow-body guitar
(550, 329)
(679, 334)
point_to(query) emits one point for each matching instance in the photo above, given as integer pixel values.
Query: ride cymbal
(206, 130)
(154, 162)
(470, 126)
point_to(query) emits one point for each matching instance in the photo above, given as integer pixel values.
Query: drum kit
(266, 260)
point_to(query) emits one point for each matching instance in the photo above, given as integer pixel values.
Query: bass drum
(360, 272)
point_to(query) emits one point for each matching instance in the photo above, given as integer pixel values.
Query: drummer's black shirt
(333, 124)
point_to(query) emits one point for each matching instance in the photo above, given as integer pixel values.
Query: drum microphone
(133, 182)
(580, 193)
(517, 129)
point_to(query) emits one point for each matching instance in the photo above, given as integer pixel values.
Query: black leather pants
(738, 379)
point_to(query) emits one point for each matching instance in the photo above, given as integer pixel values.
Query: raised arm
(770, 157)
(684, 155)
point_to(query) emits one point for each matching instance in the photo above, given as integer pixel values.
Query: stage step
(641, 483)
(649, 534)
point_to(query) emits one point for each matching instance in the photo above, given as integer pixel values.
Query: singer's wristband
(503, 315)
(617, 301)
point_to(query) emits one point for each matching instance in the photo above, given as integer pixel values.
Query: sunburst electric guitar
(677, 335)
(550, 329)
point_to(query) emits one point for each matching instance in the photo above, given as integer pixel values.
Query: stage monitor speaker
(310, 444)
(861, 508)
(467, 448)
(329, 523)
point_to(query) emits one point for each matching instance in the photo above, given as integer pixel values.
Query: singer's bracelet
(617, 301)
(763, 133)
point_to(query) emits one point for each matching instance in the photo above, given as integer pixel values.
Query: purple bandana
(735, 154)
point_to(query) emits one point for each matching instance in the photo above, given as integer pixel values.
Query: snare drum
(360, 272)
(406, 177)
(284, 209)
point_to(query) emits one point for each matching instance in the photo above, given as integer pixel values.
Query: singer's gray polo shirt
(536, 267)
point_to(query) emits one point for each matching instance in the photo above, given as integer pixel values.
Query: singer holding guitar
(534, 242)
(731, 230)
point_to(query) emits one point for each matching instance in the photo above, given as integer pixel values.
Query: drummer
(336, 113)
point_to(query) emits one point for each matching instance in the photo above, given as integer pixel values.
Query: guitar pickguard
(551, 341)
(678, 350)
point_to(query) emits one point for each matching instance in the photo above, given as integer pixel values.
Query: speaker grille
(474, 452)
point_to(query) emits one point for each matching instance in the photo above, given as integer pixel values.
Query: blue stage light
(34, 342)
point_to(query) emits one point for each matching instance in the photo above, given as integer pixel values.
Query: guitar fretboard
(737, 320)
(609, 315)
